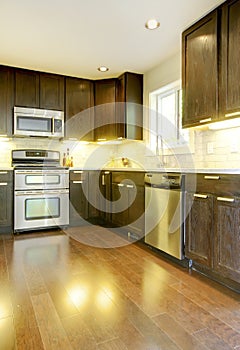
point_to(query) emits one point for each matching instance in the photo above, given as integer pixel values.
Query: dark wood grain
(52, 91)
(6, 99)
(229, 64)
(200, 70)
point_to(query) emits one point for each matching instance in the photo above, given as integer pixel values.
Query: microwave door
(28, 125)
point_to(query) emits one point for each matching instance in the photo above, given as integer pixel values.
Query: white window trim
(178, 148)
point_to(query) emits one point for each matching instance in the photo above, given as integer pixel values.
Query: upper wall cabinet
(26, 88)
(6, 99)
(230, 63)
(39, 90)
(79, 109)
(129, 116)
(105, 109)
(51, 91)
(200, 71)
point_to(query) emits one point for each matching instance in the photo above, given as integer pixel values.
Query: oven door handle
(36, 193)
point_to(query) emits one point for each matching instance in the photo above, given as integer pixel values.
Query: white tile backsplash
(226, 152)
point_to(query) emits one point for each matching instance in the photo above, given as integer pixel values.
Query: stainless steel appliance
(41, 190)
(38, 122)
(164, 212)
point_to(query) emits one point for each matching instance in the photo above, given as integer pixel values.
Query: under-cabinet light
(225, 124)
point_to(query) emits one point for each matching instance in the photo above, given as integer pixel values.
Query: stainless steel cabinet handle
(120, 185)
(3, 183)
(234, 114)
(103, 180)
(205, 120)
(198, 195)
(106, 172)
(225, 199)
(211, 177)
(77, 171)
(77, 182)
(130, 186)
(3, 172)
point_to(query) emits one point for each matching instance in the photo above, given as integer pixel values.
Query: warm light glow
(2, 311)
(152, 24)
(225, 124)
(103, 299)
(4, 138)
(103, 69)
(78, 295)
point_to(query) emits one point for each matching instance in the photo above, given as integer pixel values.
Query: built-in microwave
(38, 122)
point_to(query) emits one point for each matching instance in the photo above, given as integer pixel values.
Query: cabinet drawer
(78, 175)
(5, 176)
(128, 176)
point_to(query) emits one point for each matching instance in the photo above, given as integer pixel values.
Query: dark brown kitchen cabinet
(78, 193)
(6, 100)
(227, 242)
(79, 109)
(129, 117)
(128, 201)
(105, 181)
(199, 228)
(200, 71)
(51, 91)
(39, 90)
(212, 227)
(26, 88)
(230, 64)
(105, 109)
(6, 201)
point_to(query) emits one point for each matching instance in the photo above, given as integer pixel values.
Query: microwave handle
(52, 125)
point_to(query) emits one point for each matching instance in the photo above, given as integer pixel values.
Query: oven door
(41, 179)
(40, 209)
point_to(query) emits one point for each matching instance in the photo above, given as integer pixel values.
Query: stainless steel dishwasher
(164, 212)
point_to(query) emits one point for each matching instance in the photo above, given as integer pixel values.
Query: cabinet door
(78, 193)
(6, 201)
(26, 88)
(6, 100)
(51, 91)
(136, 210)
(79, 109)
(129, 107)
(119, 204)
(200, 71)
(230, 64)
(106, 196)
(227, 242)
(105, 116)
(199, 228)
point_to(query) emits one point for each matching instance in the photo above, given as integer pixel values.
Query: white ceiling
(74, 37)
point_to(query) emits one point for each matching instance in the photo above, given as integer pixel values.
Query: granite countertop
(170, 170)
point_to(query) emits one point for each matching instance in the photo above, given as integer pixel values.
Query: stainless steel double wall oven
(41, 190)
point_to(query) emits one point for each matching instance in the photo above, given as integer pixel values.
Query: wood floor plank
(177, 333)
(28, 338)
(7, 334)
(211, 341)
(115, 344)
(52, 332)
(78, 333)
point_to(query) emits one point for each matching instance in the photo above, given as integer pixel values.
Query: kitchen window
(165, 121)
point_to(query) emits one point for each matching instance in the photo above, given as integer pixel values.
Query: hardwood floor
(61, 293)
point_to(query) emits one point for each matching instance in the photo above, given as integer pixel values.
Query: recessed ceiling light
(103, 69)
(152, 24)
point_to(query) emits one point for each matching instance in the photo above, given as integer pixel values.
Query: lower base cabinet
(78, 193)
(199, 228)
(226, 258)
(128, 202)
(212, 228)
(6, 201)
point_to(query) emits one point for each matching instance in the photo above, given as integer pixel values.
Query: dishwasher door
(164, 220)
